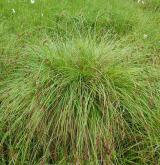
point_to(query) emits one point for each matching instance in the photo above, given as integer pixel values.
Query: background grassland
(80, 82)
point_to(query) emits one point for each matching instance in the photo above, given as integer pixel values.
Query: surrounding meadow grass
(80, 82)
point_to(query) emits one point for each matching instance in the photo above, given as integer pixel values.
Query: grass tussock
(79, 102)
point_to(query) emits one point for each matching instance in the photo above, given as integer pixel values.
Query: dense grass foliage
(80, 82)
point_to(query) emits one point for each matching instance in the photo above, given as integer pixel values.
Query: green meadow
(79, 82)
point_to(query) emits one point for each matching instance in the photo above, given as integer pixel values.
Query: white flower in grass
(32, 1)
(141, 1)
(145, 36)
(42, 14)
(13, 11)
